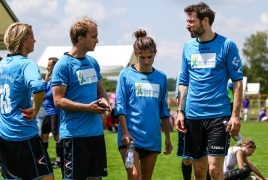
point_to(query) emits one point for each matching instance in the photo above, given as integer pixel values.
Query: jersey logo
(147, 89)
(86, 76)
(237, 64)
(39, 161)
(68, 165)
(205, 60)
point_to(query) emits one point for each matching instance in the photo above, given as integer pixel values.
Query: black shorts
(113, 116)
(24, 159)
(83, 157)
(50, 124)
(204, 137)
(142, 152)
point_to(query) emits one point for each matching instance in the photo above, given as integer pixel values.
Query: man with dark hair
(208, 61)
(51, 119)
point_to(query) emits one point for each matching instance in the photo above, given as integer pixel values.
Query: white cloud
(264, 18)
(119, 11)
(32, 10)
(92, 8)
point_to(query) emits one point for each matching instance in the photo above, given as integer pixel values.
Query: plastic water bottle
(130, 155)
(237, 138)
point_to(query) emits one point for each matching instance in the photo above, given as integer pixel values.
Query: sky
(163, 20)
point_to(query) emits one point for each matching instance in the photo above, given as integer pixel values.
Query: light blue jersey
(206, 68)
(142, 98)
(19, 79)
(80, 76)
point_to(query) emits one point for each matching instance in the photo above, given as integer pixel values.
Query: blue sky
(164, 20)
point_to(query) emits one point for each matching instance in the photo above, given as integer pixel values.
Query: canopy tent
(7, 17)
(112, 59)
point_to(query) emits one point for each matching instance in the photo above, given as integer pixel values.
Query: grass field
(169, 167)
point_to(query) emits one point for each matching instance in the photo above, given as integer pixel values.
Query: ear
(155, 52)
(80, 38)
(205, 20)
(136, 54)
(22, 42)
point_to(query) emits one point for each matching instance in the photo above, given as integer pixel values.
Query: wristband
(181, 111)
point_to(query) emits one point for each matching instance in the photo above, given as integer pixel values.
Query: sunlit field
(169, 167)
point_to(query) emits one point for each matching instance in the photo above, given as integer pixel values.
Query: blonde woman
(238, 155)
(21, 149)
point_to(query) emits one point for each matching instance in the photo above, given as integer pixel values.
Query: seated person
(237, 155)
(262, 115)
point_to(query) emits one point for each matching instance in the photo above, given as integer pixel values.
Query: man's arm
(182, 93)
(63, 103)
(235, 121)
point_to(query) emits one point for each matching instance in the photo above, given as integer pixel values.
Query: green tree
(256, 52)
(109, 84)
(171, 84)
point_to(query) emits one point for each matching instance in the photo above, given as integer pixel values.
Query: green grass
(169, 167)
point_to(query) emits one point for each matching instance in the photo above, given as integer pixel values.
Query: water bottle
(237, 138)
(130, 155)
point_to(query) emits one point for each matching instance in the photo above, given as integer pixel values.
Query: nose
(187, 25)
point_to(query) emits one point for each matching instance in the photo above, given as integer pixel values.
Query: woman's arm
(240, 158)
(254, 169)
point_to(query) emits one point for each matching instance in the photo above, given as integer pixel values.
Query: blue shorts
(203, 137)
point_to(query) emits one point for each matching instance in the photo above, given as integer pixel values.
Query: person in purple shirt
(245, 103)
(262, 115)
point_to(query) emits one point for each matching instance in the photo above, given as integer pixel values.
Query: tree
(171, 84)
(256, 52)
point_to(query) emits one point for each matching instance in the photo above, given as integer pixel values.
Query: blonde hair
(80, 28)
(14, 34)
(246, 142)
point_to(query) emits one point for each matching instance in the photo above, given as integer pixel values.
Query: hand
(106, 105)
(168, 147)
(233, 126)
(126, 138)
(95, 108)
(29, 113)
(180, 123)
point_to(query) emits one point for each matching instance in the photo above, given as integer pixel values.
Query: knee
(200, 172)
(215, 173)
(187, 162)
(134, 176)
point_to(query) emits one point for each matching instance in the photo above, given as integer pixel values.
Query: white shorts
(245, 110)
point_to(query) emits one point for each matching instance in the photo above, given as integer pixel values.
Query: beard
(198, 32)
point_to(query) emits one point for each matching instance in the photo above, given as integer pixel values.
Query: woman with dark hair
(141, 101)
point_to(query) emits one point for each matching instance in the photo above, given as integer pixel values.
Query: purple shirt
(245, 103)
(262, 114)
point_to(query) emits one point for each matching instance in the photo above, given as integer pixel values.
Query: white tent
(112, 59)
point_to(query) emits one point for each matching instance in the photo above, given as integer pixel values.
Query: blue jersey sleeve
(60, 74)
(33, 78)
(184, 75)
(121, 95)
(164, 112)
(234, 63)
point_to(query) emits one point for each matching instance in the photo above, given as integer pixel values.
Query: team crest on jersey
(205, 60)
(86, 76)
(147, 89)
